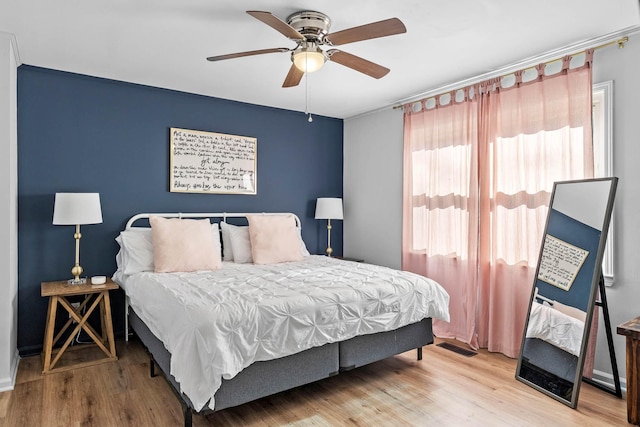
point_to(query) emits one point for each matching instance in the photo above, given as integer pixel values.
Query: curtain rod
(620, 42)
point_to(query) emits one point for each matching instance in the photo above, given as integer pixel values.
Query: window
(603, 157)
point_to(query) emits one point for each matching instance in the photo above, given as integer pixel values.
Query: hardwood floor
(444, 389)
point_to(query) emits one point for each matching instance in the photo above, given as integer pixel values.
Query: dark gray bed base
(269, 377)
(551, 358)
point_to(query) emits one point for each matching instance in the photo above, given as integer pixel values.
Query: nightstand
(631, 329)
(94, 296)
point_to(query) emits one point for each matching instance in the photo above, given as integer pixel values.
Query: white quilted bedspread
(215, 323)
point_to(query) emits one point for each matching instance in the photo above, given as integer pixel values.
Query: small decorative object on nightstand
(94, 296)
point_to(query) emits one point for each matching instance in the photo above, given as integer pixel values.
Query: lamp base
(78, 281)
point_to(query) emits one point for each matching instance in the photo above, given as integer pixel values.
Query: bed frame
(265, 378)
(262, 379)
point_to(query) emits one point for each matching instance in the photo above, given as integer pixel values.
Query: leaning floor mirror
(554, 345)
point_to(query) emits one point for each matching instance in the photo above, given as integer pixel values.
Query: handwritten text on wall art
(207, 162)
(560, 262)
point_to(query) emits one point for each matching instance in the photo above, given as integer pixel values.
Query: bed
(231, 333)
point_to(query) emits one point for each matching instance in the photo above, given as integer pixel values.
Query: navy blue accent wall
(84, 134)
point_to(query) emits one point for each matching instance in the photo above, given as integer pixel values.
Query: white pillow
(137, 250)
(119, 255)
(240, 243)
(226, 241)
(215, 229)
(303, 247)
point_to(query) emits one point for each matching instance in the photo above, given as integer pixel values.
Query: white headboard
(222, 215)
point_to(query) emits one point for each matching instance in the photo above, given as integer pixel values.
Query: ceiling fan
(310, 30)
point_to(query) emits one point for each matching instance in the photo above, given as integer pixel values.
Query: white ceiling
(164, 43)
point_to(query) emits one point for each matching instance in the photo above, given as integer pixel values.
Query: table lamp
(77, 209)
(329, 208)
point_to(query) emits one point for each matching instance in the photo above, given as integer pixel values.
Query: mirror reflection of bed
(554, 346)
(554, 334)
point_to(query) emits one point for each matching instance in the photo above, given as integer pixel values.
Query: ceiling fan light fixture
(308, 59)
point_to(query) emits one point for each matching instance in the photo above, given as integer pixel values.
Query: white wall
(373, 189)
(622, 67)
(8, 213)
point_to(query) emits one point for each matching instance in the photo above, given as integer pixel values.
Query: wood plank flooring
(444, 389)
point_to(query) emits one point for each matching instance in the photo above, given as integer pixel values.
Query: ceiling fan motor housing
(314, 26)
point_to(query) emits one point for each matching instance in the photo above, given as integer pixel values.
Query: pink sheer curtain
(440, 215)
(517, 142)
(535, 133)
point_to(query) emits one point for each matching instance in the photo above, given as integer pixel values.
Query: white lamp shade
(329, 208)
(77, 208)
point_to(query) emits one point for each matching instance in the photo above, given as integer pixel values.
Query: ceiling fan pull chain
(306, 95)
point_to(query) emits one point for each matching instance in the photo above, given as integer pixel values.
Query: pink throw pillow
(184, 245)
(274, 239)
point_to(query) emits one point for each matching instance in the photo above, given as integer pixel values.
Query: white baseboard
(606, 379)
(7, 384)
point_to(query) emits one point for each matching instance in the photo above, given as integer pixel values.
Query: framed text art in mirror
(208, 162)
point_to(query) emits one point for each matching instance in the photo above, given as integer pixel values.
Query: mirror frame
(592, 292)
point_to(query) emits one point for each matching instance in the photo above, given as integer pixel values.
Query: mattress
(216, 323)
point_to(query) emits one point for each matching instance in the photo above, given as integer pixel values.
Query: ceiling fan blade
(356, 63)
(277, 24)
(388, 27)
(248, 53)
(293, 77)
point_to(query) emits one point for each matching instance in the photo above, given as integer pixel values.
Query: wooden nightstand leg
(48, 336)
(108, 325)
(103, 329)
(633, 386)
(84, 324)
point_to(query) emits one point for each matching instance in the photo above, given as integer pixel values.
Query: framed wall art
(208, 162)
